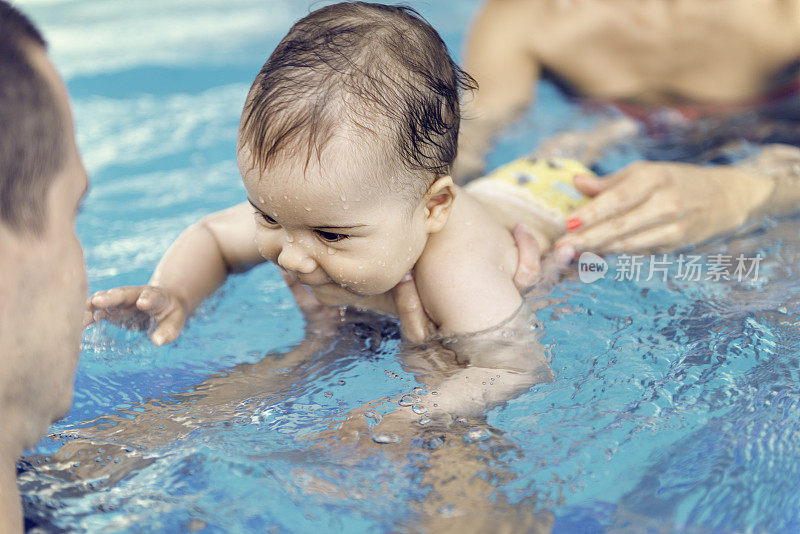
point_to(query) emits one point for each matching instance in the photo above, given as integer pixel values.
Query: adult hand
(588, 146)
(659, 206)
(415, 324)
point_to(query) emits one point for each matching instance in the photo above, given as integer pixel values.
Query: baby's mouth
(309, 281)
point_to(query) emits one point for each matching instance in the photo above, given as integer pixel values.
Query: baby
(345, 147)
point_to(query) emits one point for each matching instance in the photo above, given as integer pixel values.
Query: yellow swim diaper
(537, 192)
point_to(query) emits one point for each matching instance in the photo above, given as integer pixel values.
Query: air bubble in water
(374, 416)
(408, 400)
(478, 434)
(383, 439)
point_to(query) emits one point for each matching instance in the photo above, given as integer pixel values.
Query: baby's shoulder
(465, 274)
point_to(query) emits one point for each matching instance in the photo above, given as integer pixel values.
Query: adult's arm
(657, 206)
(499, 57)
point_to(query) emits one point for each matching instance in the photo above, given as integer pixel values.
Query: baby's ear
(438, 203)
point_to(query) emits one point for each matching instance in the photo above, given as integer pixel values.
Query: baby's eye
(330, 236)
(267, 218)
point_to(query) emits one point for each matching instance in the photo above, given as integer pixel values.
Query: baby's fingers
(118, 297)
(88, 318)
(153, 300)
(169, 328)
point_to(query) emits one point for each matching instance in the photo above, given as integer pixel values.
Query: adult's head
(42, 275)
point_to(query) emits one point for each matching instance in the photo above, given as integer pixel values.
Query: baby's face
(331, 227)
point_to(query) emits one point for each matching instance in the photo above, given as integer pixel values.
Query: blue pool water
(674, 405)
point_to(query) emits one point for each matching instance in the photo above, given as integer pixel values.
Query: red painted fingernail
(573, 223)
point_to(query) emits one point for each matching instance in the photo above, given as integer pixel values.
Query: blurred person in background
(672, 62)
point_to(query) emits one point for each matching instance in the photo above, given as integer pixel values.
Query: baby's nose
(295, 258)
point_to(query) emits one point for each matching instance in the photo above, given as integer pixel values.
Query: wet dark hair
(32, 146)
(374, 67)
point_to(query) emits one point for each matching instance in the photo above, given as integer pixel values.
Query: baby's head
(345, 146)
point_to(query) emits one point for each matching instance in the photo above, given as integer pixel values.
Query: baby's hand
(136, 307)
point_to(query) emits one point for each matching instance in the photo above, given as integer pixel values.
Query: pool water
(675, 404)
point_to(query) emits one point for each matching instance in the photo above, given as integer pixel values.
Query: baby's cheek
(269, 249)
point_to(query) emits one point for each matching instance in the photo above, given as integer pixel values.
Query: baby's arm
(461, 291)
(194, 266)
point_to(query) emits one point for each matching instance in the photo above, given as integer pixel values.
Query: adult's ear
(438, 202)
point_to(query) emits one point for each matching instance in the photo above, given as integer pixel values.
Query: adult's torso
(668, 51)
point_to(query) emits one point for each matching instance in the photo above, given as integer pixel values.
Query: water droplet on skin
(419, 410)
(285, 197)
(343, 198)
(307, 208)
(408, 400)
(374, 416)
(423, 421)
(261, 199)
(418, 390)
(500, 267)
(346, 207)
(383, 439)
(331, 251)
(289, 239)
